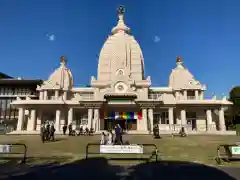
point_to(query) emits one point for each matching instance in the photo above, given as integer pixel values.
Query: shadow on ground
(99, 168)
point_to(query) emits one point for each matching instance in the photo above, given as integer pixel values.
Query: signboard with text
(5, 148)
(121, 149)
(235, 150)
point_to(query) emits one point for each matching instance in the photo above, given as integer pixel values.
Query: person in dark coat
(47, 132)
(182, 132)
(64, 129)
(52, 131)
(156, 131)
(70, 129)
(118, 134)
(42, 133)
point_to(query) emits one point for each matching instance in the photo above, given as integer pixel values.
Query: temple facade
(121, 94)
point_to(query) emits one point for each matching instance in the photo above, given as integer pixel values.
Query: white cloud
(51, 37)
(156, 39)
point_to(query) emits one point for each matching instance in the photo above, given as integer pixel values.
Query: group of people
(109, 137)
(47, 132)
(81, 131)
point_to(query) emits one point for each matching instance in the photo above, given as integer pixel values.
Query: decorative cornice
(91, 104)
(148, 104)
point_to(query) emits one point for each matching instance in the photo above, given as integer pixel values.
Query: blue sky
(205, 33)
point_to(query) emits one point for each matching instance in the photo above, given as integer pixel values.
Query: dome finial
(179, 61)
(121, 10)
(63, 60)
(121, 25)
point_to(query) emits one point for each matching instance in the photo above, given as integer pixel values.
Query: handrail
(23, 161)
(228, 154)
(153, 153)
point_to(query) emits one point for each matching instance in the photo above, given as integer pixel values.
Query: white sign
(121, 149)
(236, 150)
(5, 148)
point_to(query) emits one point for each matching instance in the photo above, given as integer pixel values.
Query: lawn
(201, 149)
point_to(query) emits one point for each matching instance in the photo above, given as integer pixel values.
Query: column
(56, 94)
(90, 114)
(222, 119)
(201, 95)
(41, 95)
(150, 117)
(39, 120)
(177, 95)
(144, 120)
(20, 119)
(96, 122)
(209, 120)
(185, 94)
(196, 95)
(183, 117)
(170, 117)
(45, 95)
(65, 95)
(57, 121)
(70, 115)
(31, 120)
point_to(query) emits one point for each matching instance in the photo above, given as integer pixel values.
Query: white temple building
(121, 94)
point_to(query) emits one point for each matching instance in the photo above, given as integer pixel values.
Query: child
(102, 142)
(109, 141)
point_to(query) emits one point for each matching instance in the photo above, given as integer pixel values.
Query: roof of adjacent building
(6, 81)
(2, 75)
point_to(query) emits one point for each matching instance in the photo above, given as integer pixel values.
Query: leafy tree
(235, 98)
(233, 112)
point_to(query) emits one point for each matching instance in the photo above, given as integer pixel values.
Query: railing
(14, 151)
(137, 149)
(191, 98)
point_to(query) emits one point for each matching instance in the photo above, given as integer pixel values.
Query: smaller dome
(180, 77)
(62, 76)
(121, 26)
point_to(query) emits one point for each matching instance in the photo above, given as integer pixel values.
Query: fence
(15, 151)
(127, 152)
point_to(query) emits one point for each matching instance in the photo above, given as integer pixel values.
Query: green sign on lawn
(236, 150)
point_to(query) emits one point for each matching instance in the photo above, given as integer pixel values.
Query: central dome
(120, 51)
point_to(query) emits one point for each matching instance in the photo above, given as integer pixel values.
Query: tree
(234, 97)
(233, 112)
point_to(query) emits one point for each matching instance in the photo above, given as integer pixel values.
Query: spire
(121, 25)
(179, 62)
(63, 60)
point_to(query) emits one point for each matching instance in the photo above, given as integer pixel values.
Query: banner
(121, 115)
(121, 149)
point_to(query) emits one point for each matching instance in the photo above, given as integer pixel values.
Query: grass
(200, 149)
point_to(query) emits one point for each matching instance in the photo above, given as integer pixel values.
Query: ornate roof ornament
(121, 25)
(179, 62)
(63, 60)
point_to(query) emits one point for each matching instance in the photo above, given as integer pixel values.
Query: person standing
(47, 131)
(70, 129)
(42, 133)
(52, 132)
(118, 134)
(102, 141)
(64, 129)
(110, 137)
